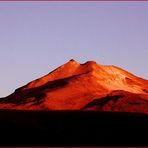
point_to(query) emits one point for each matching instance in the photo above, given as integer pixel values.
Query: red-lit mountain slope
(88, 86)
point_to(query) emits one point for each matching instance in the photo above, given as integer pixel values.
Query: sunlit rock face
(88, 86)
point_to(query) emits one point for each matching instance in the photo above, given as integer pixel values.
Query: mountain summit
(88, 86)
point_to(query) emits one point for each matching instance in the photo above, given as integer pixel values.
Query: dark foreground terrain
(72, 128)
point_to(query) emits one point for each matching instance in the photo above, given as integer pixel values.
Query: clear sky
(37, 37)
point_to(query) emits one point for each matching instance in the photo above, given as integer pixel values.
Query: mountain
(88, 86)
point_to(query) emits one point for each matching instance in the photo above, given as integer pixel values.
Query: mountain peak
(91, 63)
(72, 60)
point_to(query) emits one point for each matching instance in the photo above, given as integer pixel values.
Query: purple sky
(37, 37)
